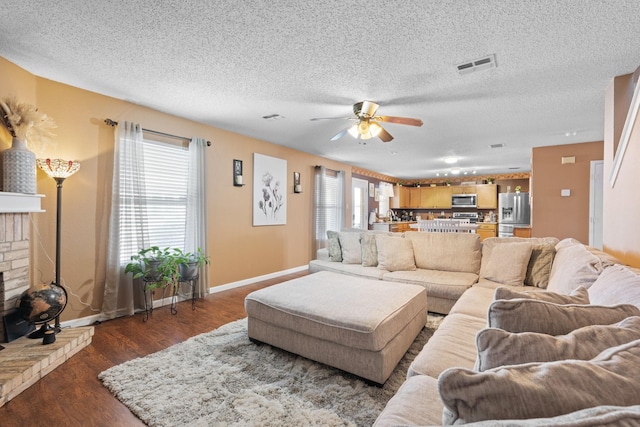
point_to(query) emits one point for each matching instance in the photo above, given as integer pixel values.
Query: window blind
(163, 200)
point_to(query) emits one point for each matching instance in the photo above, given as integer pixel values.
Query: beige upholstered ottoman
(361, 326)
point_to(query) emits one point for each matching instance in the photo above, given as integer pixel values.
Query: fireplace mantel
(20, 203)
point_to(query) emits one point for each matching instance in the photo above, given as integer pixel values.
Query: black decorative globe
(42, 303)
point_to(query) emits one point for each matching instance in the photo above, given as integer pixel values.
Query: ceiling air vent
(477, 65)
(496, 146)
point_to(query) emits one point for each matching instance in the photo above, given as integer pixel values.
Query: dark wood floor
(72, 395)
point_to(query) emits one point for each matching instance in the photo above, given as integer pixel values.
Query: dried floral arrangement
(25, 122)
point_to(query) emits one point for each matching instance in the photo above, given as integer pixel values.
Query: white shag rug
(221, 378)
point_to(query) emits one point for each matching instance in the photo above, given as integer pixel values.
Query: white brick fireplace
(15, 209)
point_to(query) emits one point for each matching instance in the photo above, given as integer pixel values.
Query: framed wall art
(269, 190)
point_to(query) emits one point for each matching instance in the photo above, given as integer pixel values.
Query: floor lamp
(59, 170)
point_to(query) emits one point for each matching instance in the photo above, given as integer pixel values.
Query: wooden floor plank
(72, 395)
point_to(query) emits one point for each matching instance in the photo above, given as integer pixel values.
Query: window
(329, 203)
(163, 198)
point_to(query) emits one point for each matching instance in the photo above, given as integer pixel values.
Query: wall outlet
(565, 192)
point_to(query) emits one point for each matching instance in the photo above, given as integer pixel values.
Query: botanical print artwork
(269, 190)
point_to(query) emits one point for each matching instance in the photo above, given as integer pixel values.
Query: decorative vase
(19, 168)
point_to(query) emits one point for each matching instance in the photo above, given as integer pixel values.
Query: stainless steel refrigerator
(513, 210)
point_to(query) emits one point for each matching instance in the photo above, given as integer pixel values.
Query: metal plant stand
(148, 293)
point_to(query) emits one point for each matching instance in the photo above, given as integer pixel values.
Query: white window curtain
(128, 172)
(196, 224)
(329, 203)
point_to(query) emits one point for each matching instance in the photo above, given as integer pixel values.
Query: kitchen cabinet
(463, 189)
(400, 197)
(435, 197)
(522, 232)
(487, 196)
(394, 226)
(414, 197)
(486, 230)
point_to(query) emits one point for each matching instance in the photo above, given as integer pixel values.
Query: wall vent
(479, 64)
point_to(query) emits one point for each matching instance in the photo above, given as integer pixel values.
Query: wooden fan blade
(340, 134)
(400, 120)
(384, 135)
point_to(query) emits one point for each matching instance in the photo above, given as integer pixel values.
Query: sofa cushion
(394, 253)
(508, 263)
(350, 245)
(576, 265)
(416, 402)
(446, 284)
(335, 251)
(497, 347)
(537, 390)
(369, 250)
(540, 262)
(616, 285)
(447, 251)
(527, 315)
(604, 415)
(452, 344)
(317, 265)
(474, 302)
(578, 296)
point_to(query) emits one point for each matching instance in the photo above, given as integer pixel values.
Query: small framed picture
(371, 189)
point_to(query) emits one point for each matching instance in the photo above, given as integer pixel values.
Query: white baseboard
(90, 320)
(245, 282)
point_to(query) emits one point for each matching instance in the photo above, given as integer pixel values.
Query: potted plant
(518, 188)
(152, 265)
(189, 263)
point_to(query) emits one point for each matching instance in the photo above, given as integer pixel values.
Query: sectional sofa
(538, 331)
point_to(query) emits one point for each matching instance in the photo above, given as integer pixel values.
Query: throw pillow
(617, 284)
(539, 268)
(508, 263)
(497, 347)
(335, 252)
(575, 265)
(395, 254)
(527, 315)
(350, 244)
(369, 250)
(578, 296)
(540, 390)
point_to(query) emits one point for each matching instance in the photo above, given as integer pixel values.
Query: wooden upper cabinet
(427, 197)
(443, 197)
(414, 197)
(487, 196)
(463, 189)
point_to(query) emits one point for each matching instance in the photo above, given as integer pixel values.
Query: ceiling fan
(368, 126)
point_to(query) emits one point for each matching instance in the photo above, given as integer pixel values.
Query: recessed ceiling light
(450, 160)
(455, 171)
(437, 173)
(573, 133)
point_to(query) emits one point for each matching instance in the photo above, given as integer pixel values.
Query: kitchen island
(393, 226)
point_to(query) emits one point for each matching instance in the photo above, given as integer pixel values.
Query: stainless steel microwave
(464, 200)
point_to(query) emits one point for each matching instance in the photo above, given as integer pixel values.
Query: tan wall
(238, 250)
(621, 230)
(552, 214)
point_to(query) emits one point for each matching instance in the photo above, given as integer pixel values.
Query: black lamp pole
(59, 182)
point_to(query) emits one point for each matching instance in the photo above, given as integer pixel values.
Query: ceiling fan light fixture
(374, 129)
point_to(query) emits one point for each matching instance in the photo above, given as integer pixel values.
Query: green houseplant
(163, 267)
(189, 263)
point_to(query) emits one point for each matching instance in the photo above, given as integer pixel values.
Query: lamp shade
(58, 168)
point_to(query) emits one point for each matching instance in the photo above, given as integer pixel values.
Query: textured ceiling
(229, 63)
